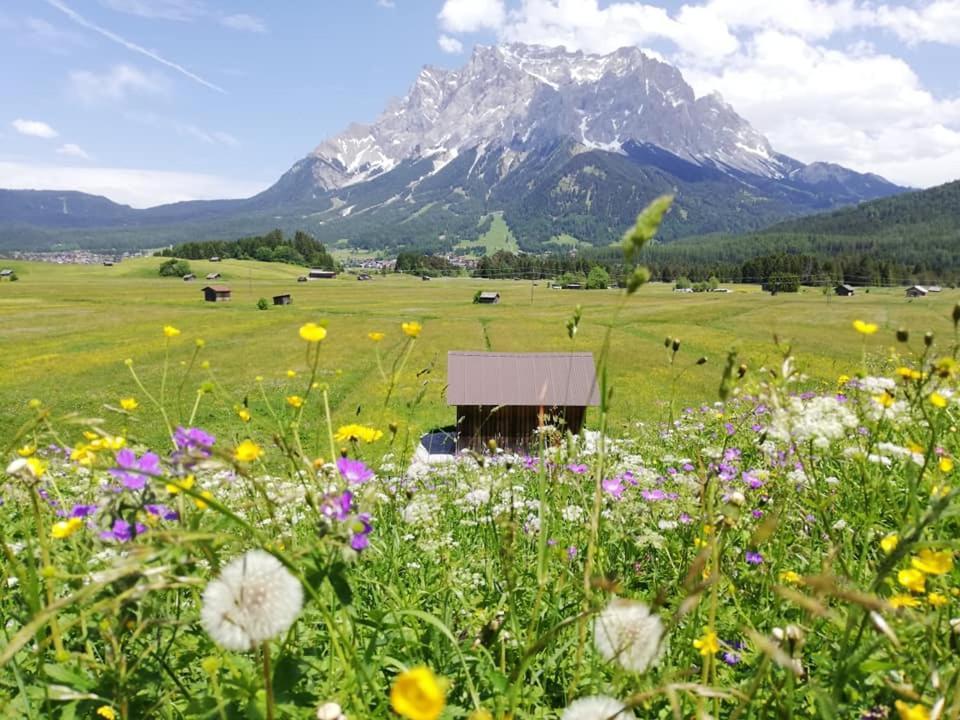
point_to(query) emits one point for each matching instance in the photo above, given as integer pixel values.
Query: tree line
(301, 249)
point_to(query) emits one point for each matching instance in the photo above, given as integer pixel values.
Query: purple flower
(688, 467)
(360, 530)
(751, 480)
(757, 513)
(654, 495)
(354, 471)
(530, 463)
(572, 552)
(731, 658)
(756, 427)
(81, 511)
(133, 472)
(613, 486)
(754, 558)
(122, 531)
(730, 429)
(685, 518)
(577, 469)
(731, 454)
(162, 512)
(337, 507)
(193, 441)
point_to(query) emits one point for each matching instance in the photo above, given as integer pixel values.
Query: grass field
(66, 331)
(498, 237)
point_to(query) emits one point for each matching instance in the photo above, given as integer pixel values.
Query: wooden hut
(573, 286)
(302, 278)
(364, 276)
(915, 291)
(213, 276)
(215, 258)
(188, 277)
(506, 396)
(489, 298)
(108, 263)
(844, 290)
(6, 272)
(283, 299)
(216, 293)
(320, 274)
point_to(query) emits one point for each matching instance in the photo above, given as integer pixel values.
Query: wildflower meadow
(784, 549)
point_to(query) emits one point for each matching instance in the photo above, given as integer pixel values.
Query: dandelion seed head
(598, 707)
(628, 633)
(254, 599)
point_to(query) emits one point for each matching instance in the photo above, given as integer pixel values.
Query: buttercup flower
(411, 329)
(170, 331)
(376, 336)
(185, 483)
(291, 374)
(938, 400)
(243, 414)
(247, 451)
(66, 528)
(598, 707)
(129, 403)
(937, 599)
(913, 580)
(105, 711)
(933, 562)
(627, 632)
(901, 600)
(312, 333)
(911, 712)
(789, 576)
(708, 644)
(945, 464)
(254, 599)
(355, 433)
(294, 401)
(889, 543)
(418, 694)
(864, 328)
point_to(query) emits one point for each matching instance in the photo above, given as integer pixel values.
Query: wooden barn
(844, 290)
(320, 274)
(215, 259)
(216, 293)
(6, 272)
(506, 396)
(284, 299)
(108, 263)
(188, 277)
(916, 291)
(213, 276)
(573, 286)
(364, 276)
(489, 298)
(302, 278)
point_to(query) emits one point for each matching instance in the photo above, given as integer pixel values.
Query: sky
(154, 101)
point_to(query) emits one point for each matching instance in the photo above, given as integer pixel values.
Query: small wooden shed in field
(506, 396)
(320, 274)
(215, 258)
(216, 293)
(302, 278)
(489, 298)
(188, 277)
(916, 291)
(213, 276)
(283, 299)
(844, 290)
(6, 272)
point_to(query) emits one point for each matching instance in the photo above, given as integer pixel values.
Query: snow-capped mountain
(521, 97)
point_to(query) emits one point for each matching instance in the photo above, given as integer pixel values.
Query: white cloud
(183, 129)
(244, 22)
(110, 35)
(73, 150)
(115, 84)
(935, 22)
(136, 187)
(386, 3)
(471, 15)
(34, 128)
(182, 10)
(450, 44)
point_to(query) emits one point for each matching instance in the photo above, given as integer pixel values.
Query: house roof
(486, 378)
(281, 295)
(217, 288)
(489, 294)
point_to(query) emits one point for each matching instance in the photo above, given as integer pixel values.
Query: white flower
(598, 707)
(330, 711)
(626, 632)
(255, 599)
(572, 513)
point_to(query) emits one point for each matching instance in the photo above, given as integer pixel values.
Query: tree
(174, 268)
(597, 278)
(262, 304)
(682, 283)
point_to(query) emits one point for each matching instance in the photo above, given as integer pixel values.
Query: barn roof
(548, 379)
(217, 288)
(489, 294)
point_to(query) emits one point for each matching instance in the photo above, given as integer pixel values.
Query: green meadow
(66, 331)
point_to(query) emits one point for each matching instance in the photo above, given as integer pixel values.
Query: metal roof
(540, 379)
(217, 288)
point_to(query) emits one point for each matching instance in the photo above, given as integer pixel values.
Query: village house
(844, 290)
(284, 299)
(506, 397)
(216, 293)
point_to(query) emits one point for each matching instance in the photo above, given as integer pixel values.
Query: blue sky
(149, 101)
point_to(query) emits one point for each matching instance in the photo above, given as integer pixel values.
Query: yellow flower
(945, 464)
(376, 336)
(901, 600)
(708, 644)
(170, 331)
(913, 580)
(291, 374)
(354, 433)
(65, 528)
(889, 543)
(699, 543)
(411, 329)
(480, 714)
(864, 328)
(294, 401)
(105, 711)
(247, 451)
(311, 332)
(36, 467)
(418, 694)
(843, 380)
(27, 450)
(933, 562)
(884, 399)
(243, 414)
(186, 483)
(911, 712)
(129, 403)
(937, 600)
(201, 505)
(790, 576)
(938, 400)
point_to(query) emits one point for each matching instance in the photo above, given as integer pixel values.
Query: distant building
(216, 293)
(424, 277)
(934, 288)
(844, 290)
(213, 276)
(108, 263)
(6, 272)
(188, 277)
(573, 286)
(916, 291)
(364, 276)
(319, 274)
(302, 278)
(489, 298)
(283, 299)
(215, 258)
(506, 397)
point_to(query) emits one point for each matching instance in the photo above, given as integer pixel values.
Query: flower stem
(267, 680)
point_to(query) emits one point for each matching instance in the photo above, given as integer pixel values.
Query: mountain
(559, 143)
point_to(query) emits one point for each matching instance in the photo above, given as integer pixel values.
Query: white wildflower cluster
(598, 707)
(254, 599)
(820, 420)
